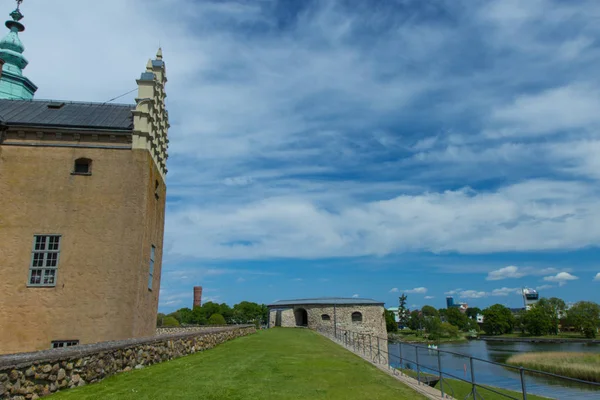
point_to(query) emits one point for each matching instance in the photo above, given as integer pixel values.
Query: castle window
(44, 260)
(83, 166)
(325, 317)
(151, 274)
(57, 344)
(356, 317)
(156, 186)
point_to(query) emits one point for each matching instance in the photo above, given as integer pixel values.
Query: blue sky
(342, 148)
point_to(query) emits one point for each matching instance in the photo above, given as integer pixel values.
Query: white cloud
(240, 280)
(429, 297)
(544, 287)
(355, 296)
(453, 292)
(517, 272)
(472, 294)
(526, 216)
(561, 278)
(418, 290)
(504, 273)
(597, 277)
(553, 110)
(394, 290)
(505, 291)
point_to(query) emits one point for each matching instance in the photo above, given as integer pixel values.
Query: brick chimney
(197, 296)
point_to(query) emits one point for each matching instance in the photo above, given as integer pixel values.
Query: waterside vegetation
(584, 366)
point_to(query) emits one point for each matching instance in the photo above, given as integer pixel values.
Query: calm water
(496, 375)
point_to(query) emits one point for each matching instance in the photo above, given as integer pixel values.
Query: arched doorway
(301, 317)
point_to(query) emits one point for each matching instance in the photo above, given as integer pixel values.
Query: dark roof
(55, 113)
(326, 301)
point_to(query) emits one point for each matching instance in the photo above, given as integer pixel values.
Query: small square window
(83, 166)
(57, 344)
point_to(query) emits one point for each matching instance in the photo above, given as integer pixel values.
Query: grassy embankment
(461, 389)
(273, 364)
(585, 366)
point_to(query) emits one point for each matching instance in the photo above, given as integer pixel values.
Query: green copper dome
(13, 85)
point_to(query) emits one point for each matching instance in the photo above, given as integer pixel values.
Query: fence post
(522, 371)
(354, 342)
(370, 347)
(378, 350)
(473, 389)
(400, 356)
(440, 369)
(417, 362)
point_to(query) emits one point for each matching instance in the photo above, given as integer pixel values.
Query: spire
(13, 85)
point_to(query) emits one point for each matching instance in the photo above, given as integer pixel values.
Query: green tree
(390, 321)
(433, 326)
(403, 314)
(415, 322)
(247, 312)
(555, 308)
(456, 318)
(429, 311)
(448, 330)
(472, 312)
(584, 316)
(216, 319)
(537, 321)
(497, 320)
(159, 319)
(170, 321)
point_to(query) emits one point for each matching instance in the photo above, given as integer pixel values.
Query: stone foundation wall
(33, 375)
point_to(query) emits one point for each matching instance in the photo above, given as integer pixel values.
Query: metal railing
(376, 350)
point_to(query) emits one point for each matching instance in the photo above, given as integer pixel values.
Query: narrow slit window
(156, 187)
(83, 166)
(151, 272)
(57, 344)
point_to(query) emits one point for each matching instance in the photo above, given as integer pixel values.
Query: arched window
(83, 166)
(356, 317)
(325, 317)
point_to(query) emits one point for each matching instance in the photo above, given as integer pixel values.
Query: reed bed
(585, 366)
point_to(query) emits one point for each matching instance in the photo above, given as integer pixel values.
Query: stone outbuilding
(328, 314)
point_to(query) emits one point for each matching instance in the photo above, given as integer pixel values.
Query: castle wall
(373, 319)
(107, 222)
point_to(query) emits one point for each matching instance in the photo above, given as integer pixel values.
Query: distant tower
(13, 85)
(530, 298)
(197, 296)
(449, 302)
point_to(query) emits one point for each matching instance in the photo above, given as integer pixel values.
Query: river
(499, 376)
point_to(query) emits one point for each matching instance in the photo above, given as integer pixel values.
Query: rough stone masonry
(34, 375)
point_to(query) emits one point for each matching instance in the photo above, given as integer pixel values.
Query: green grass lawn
(272, 364)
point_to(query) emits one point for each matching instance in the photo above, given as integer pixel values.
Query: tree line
(211, 313)
(549, 316)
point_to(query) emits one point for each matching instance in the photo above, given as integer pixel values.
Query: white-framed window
(57, 344)
(151, 274)
(44, 260)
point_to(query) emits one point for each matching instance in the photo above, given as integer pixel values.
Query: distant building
(451, 304)
(83, 207)
(364, 316)
(530, 298)
(479, 318)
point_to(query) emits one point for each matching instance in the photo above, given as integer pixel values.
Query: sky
(356, 148)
